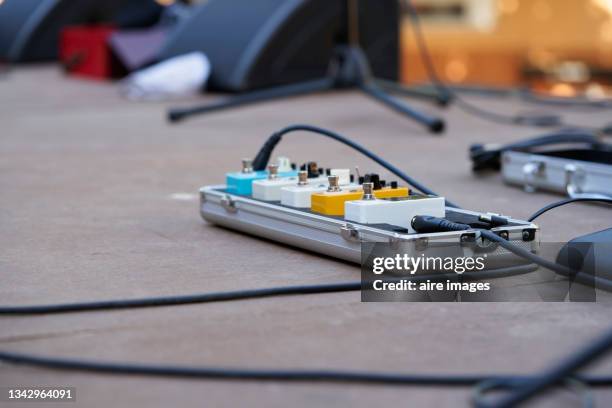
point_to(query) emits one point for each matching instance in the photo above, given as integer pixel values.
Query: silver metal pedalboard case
(576, 178)
(338, 238)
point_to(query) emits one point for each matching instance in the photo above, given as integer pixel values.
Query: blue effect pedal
(241, 182)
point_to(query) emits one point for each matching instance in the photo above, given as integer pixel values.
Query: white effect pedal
(270, 189)
(298, 196)
(397, 211)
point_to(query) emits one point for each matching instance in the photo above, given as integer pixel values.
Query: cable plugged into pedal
(431, 224)
(394, 211)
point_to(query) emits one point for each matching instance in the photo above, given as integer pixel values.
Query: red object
(84, 50)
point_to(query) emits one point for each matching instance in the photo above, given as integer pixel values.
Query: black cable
(537, 120)
(564, 369)
(435, 224)
(420, 223)
(489, 158)
(565, 202)
(263, 156)
(521, 382)
(580, 388)
(526, 386)
(181, 299)
(574, 275)
(251, 374)
(258, 374)
(429, 224)
(284, 375)
(213, 297)
(525, 254)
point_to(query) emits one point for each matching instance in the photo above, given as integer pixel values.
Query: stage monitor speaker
(29, 29)
(13, 15)
(276, 42)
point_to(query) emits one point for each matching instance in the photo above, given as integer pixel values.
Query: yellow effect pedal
(331, 202)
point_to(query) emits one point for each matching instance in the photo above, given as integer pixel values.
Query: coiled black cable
(489, 158)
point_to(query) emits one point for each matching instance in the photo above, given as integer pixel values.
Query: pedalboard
(333, 212)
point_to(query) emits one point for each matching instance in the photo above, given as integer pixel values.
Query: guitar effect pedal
(241, 182)
(298, 196)
(394, 211)
(270, 188)
(331, 201)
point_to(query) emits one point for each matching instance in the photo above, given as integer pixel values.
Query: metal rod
(435, 125)
(175, 115)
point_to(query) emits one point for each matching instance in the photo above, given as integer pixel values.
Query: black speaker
(13, 16)
(254, 45)
(29, 29)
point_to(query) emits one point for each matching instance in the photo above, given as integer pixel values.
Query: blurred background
(558, 47)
